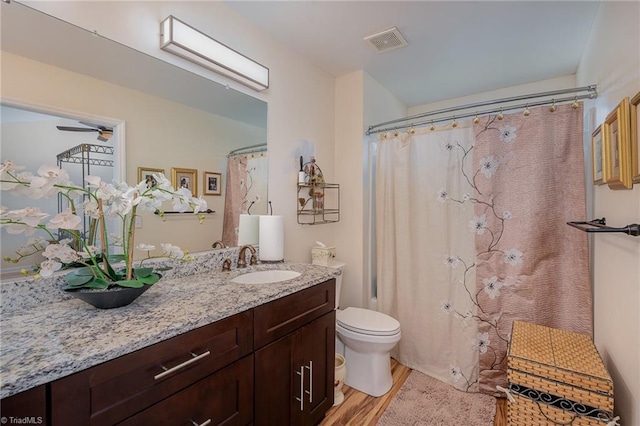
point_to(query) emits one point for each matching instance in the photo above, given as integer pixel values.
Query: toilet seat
(368, 322)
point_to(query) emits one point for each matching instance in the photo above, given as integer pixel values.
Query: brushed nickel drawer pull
(202, 424)
(301, 399)
(168, 371)
(310, 391)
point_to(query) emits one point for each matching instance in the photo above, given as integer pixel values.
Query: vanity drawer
(117, 389)
(282, 316)
(225, 397)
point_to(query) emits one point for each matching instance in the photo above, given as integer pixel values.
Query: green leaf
(75, 280)
(75, 284)
(98, 283)
(84, 271)
(112, 274)
(142, 272)
(130, 283)
(116, 257)
(149, 279)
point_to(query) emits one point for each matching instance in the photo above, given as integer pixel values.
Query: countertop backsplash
(25, 293)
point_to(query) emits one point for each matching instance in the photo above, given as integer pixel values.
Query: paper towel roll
(248, 229)
(271, 231)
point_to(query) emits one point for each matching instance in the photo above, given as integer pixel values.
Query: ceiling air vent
(386, 40)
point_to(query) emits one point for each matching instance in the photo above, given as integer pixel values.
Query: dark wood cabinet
(225, 397)
(294, 374)
(109, 393)
(271, 365)
(28, 407)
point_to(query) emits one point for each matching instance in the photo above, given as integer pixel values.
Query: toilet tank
(340, 266)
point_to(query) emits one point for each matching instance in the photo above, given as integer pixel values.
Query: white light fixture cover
(189, 43)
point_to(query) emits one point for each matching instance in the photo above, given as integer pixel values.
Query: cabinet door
(315, 352)
(29, 406)
(225, 397)
(294, 376)
(274, 383)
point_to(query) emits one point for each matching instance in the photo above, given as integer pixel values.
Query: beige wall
(159, 134)
(612, 61)
(349, 118)
(360, 101)
(300, 98)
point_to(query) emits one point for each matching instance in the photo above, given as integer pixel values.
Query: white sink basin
(265, 277)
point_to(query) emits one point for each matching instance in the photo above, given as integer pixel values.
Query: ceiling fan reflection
(104, 133)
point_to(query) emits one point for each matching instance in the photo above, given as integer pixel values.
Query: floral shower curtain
(245, 190)
(531, 265)
(511, 186)
(417, 241)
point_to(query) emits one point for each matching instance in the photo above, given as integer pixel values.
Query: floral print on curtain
(246, 189)
(527, 182)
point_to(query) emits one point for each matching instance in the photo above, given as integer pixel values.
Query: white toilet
(365, 338)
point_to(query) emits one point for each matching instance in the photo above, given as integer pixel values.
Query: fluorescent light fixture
(189, 43)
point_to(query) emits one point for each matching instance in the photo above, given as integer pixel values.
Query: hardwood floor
(360, 409)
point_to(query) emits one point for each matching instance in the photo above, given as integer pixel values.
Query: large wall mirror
(55, 74)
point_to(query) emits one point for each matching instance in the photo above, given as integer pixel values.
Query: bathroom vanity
(228, 352)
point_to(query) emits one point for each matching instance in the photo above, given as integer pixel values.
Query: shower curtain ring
(575, 104)
(412, 131)
(553, 106)
(432, 127)
(476, 120)
(454, 124)
(395, 133)
(526, 111)
(501, 115)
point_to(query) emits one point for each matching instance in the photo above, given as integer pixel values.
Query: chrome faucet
(218, 244)
(242, 263)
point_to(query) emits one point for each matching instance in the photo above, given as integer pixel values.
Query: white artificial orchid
(99, 200)
(66, 220)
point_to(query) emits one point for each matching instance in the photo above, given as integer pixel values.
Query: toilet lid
(366, 321)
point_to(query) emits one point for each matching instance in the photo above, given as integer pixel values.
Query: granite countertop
(55, 338)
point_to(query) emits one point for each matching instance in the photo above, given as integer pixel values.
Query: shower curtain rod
(411, 120)
(248, 149)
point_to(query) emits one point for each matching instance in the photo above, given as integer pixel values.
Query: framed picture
(635, 137)
(616, 131)
(185, 178)
(597, 156)
(212, 183)
(146, 174)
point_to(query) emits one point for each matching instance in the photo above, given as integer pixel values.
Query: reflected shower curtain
(472, 235)
(245, 190)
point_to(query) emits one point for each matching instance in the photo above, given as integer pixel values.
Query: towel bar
(600, 225)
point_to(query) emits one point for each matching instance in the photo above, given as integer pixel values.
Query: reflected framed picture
(185, 178)
(146, 174)
(212, 183)
(635, 137)
(597, 156)
(616, 131)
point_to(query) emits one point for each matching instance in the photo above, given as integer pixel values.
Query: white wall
(612, 61)
(300, 97)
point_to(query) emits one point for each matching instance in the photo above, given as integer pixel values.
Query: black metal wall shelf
(600, 225)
